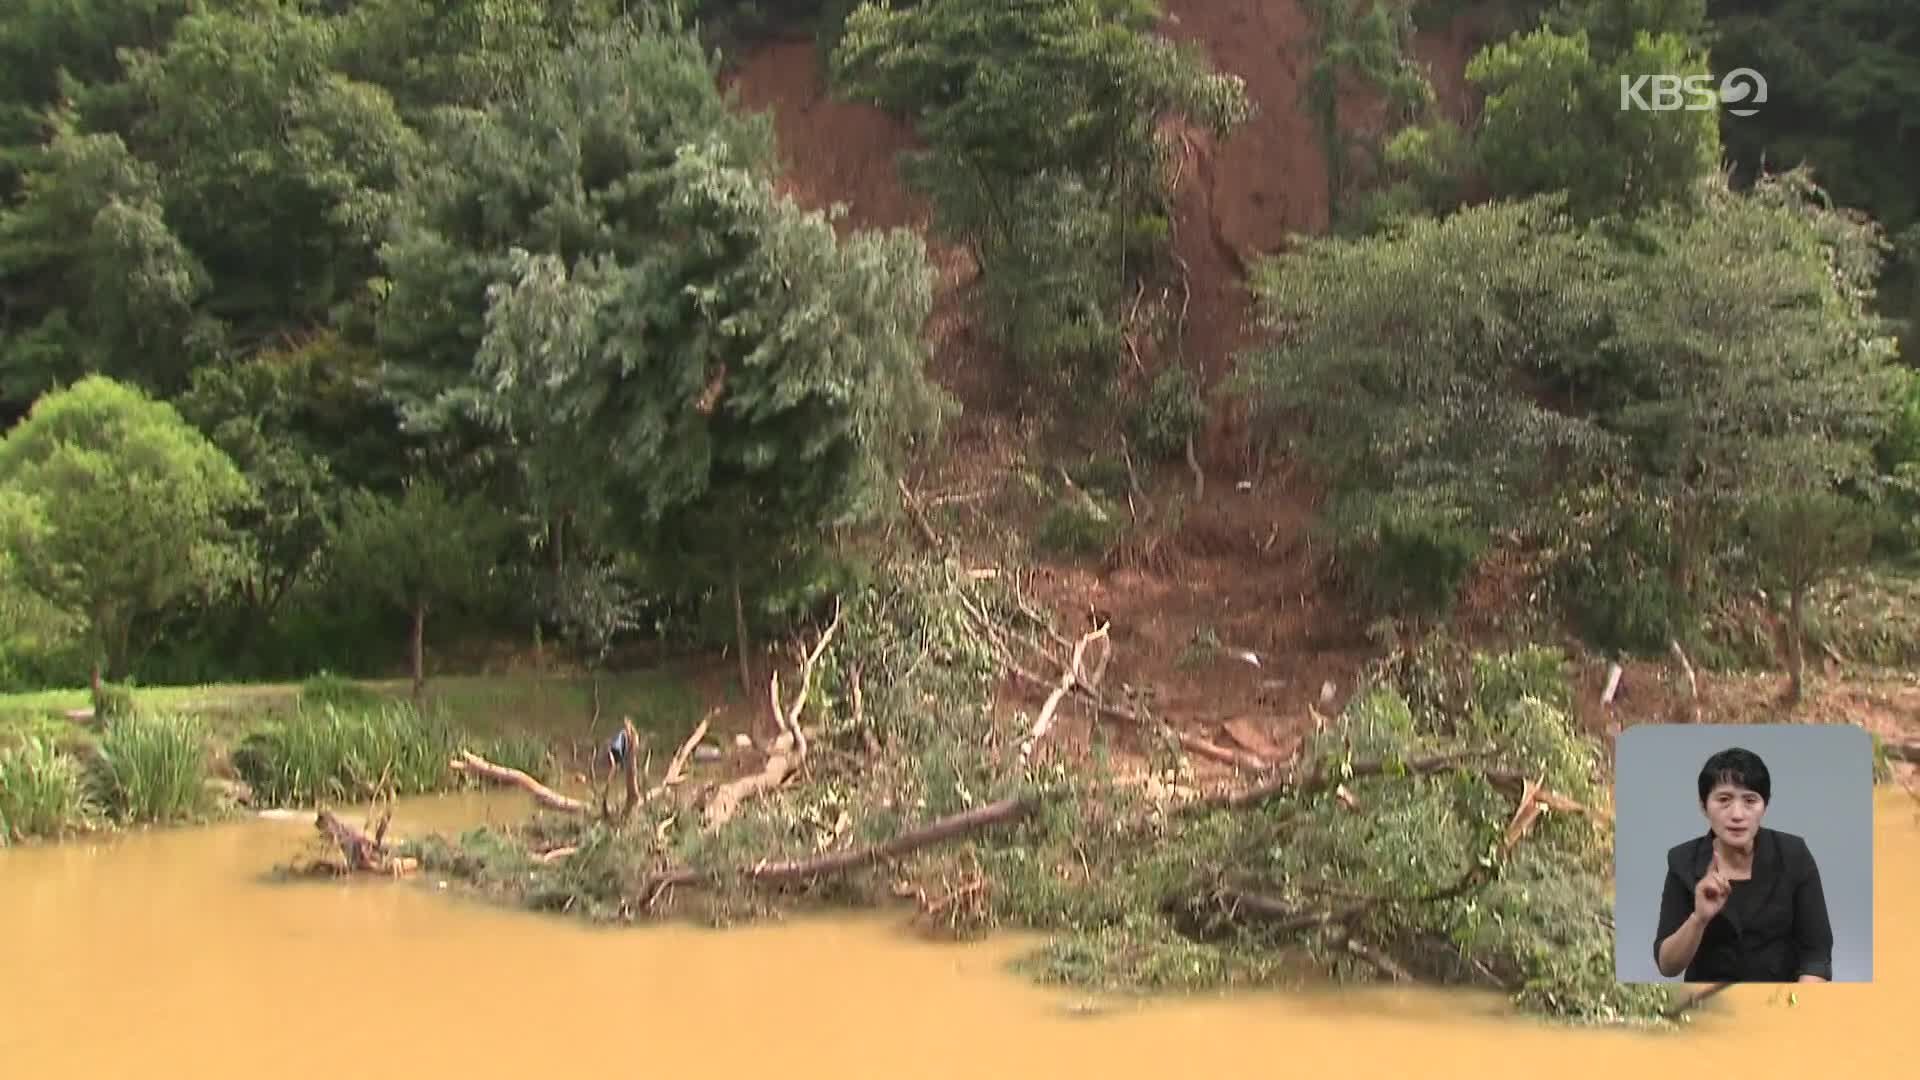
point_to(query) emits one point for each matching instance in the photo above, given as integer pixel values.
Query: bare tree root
(363, 853)
(790, 750)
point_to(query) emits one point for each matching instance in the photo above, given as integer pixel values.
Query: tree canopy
(113, 509)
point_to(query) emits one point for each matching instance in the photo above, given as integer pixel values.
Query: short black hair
(1741, 768)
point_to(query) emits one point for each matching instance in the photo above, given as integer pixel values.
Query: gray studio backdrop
(1822, 790)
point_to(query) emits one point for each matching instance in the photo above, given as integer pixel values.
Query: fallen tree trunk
(790, 870)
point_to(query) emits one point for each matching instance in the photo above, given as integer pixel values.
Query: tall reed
(153, 768)
(336, 754)
(42, 792)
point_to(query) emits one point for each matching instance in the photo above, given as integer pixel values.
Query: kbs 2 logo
(1738, 92)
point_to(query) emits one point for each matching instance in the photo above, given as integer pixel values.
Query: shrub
(1082, 525)
(326, 688)
(112, 700)
(1411, 562)
(1172, 412)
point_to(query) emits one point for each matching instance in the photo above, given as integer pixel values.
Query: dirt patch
(831, 151)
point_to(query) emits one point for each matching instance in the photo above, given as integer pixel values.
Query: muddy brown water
(169, 954)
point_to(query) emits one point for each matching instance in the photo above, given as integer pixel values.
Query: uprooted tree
(1407, 841)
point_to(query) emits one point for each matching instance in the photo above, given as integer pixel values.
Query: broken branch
(790, 751)
(475, 765)
(1071, 677)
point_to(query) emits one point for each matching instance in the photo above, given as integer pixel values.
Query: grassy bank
(183, 754)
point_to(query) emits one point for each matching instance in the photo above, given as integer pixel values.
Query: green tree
(569, 161)
(114, 509)
(1553, 121)
(1797, 539)
(301, 422)
(678, 364)
(717, 402)
(230, 184)
(1369, 43)
(425, 551)
(1495, 369)
(1039, 119)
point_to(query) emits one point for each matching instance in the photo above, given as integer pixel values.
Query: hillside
(1239, 572)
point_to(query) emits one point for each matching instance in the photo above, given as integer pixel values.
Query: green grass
(342, 755)
(153, 768)
(42, 792)
(486, 704)
(328, 738)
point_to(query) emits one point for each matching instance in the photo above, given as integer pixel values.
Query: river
(169, 954)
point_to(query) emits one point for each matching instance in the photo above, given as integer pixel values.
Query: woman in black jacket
(1742, 903)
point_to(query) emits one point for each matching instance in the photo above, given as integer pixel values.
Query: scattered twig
(1199, 477)
(1686, 667)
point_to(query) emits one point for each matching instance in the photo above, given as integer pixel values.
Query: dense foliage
(358, 245)
(1043, 153)
(1506, 368)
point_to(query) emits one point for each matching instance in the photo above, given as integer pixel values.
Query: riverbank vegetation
(1423, 831)
(396, 340)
